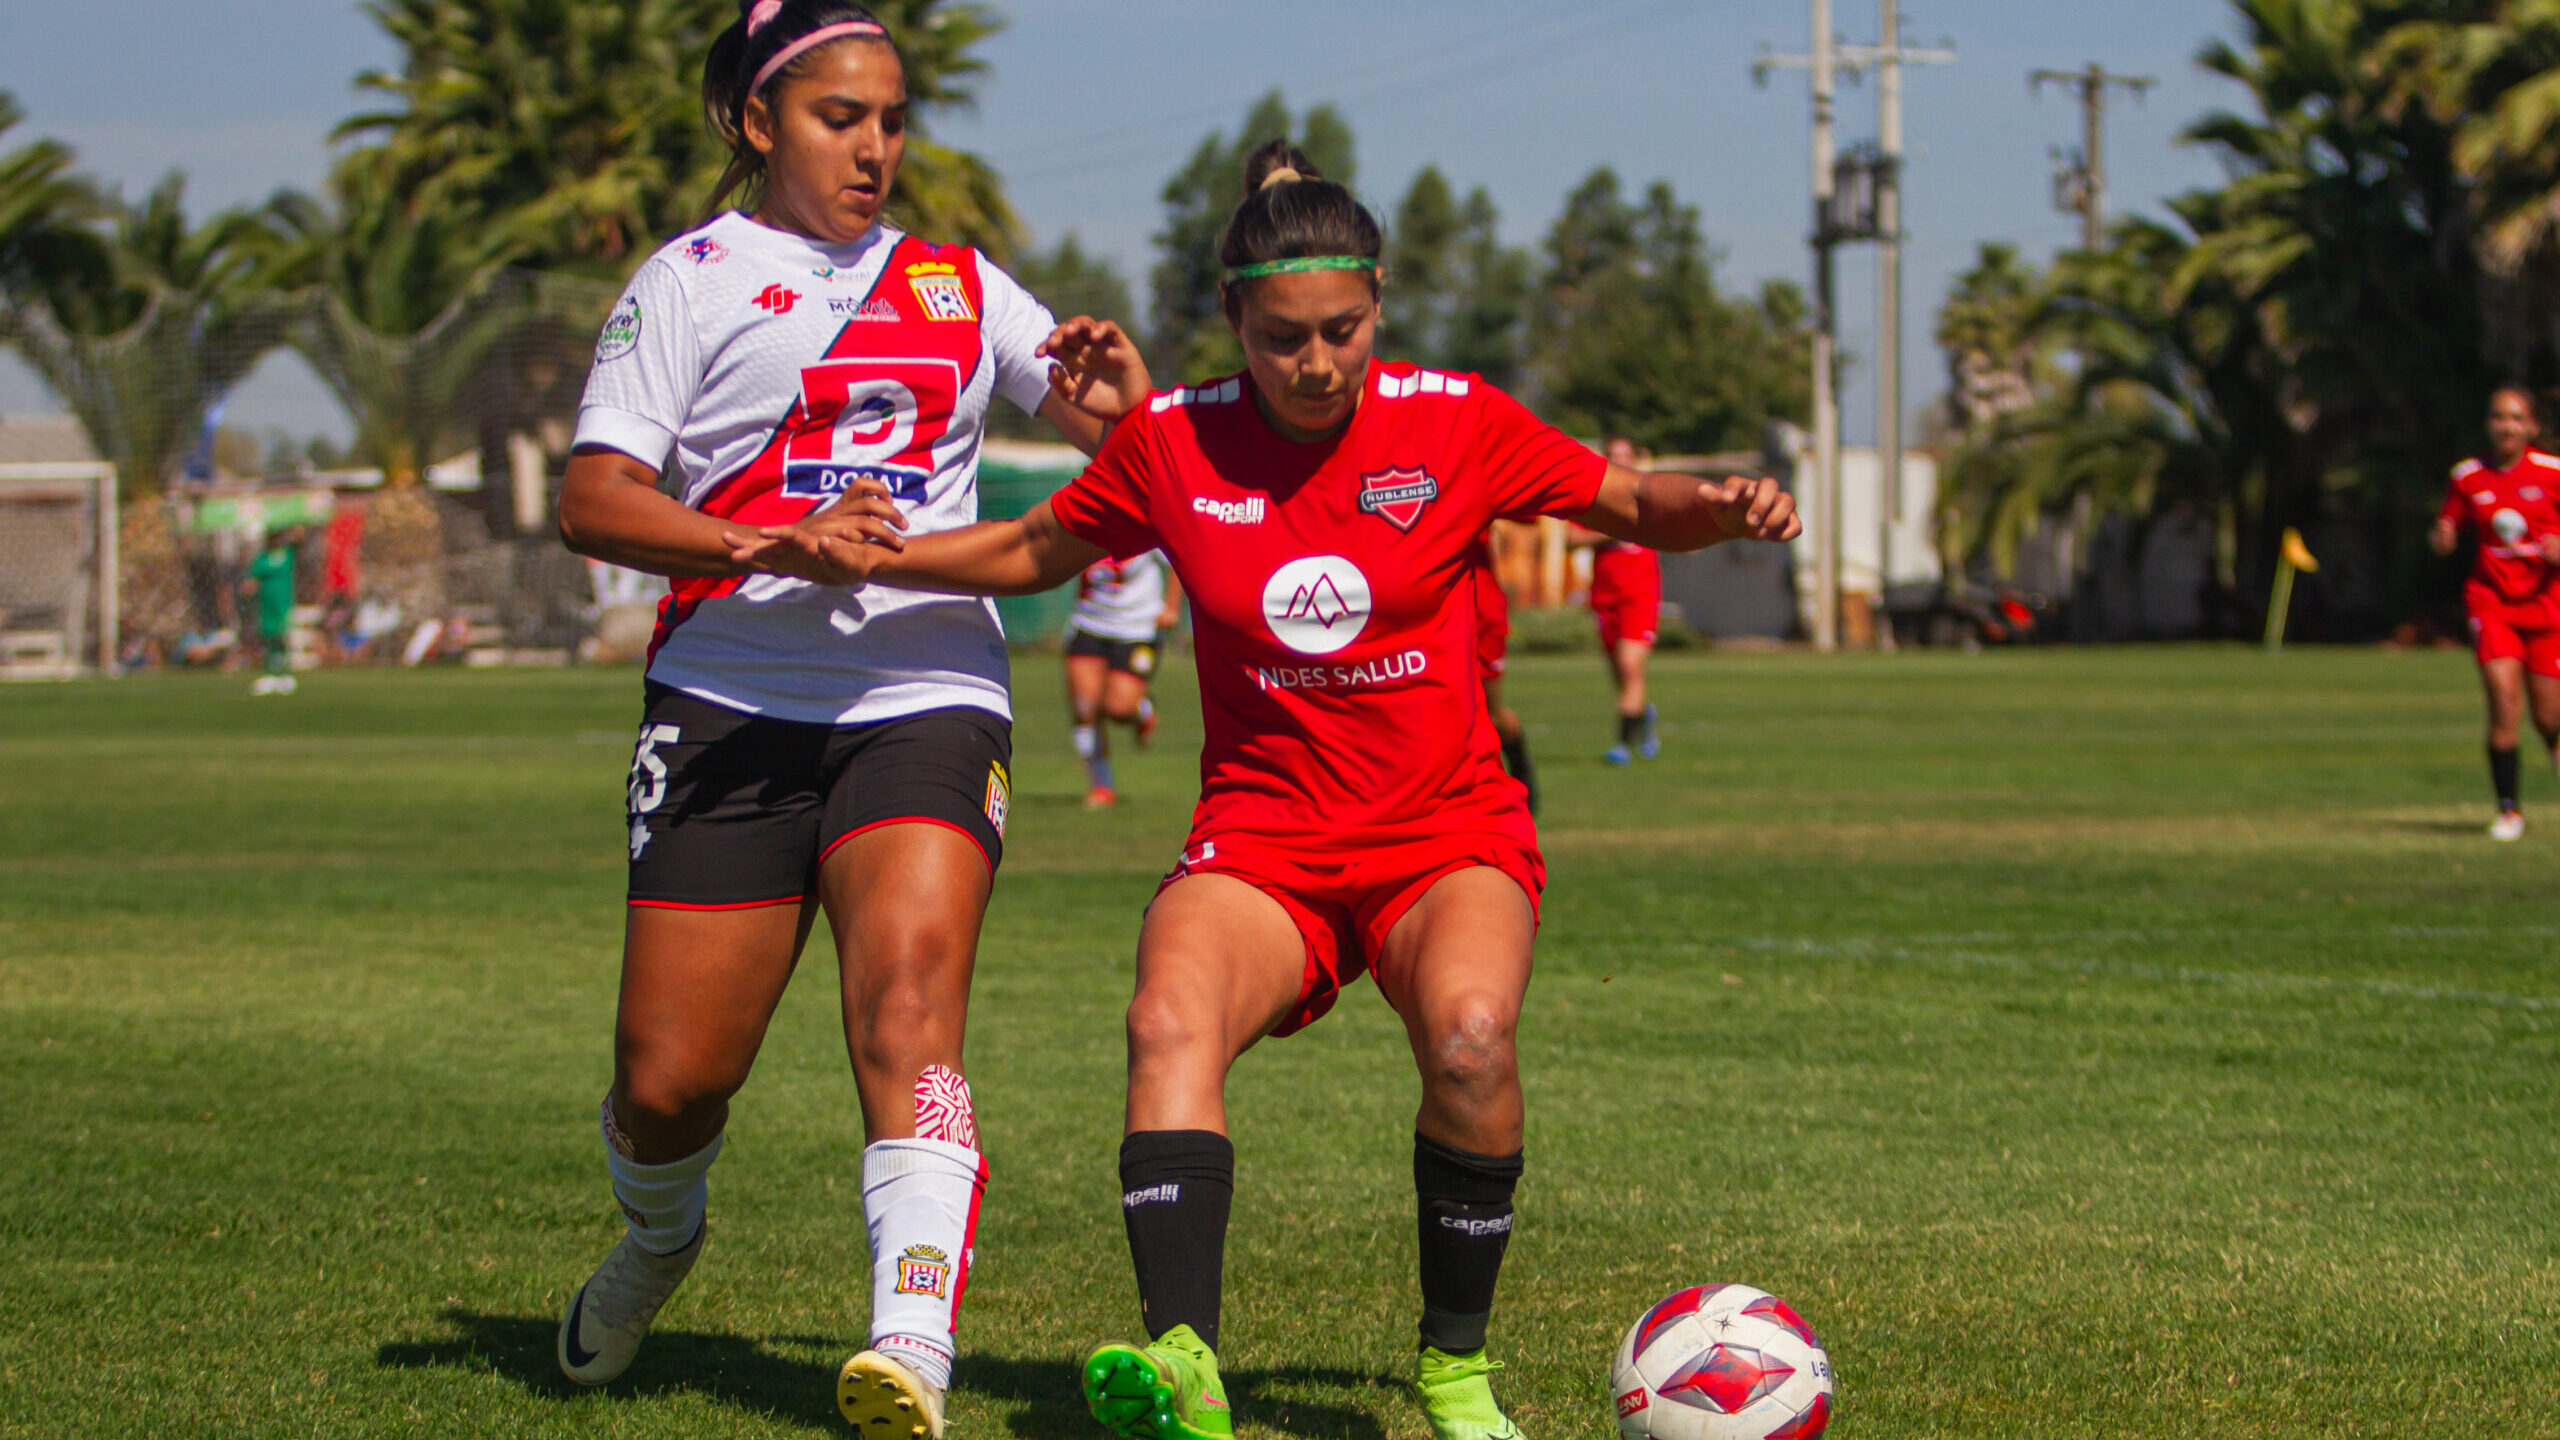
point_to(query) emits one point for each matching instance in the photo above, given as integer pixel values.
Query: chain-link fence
(429, 537)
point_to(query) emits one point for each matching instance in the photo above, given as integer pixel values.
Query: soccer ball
(1721, 1362)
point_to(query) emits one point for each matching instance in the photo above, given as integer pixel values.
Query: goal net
(57, 570)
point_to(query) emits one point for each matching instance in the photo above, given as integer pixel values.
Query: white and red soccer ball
(1721, 1362)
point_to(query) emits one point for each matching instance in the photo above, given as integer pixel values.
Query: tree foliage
(1187, 332)
(1631, 336)
(2308, 344)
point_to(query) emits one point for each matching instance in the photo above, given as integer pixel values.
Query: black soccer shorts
(729, 811)
(1129, 657)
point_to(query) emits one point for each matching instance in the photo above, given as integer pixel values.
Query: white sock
(1087, 741)
(1146, 709)
(664, 1203)
(920, 1199)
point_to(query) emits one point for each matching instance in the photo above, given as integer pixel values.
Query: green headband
(1300, 265)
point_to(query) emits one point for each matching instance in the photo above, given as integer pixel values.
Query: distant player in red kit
(2511, 505)
(1114, 639)
(1626, 600)
(1493, 657)
(1323, 510)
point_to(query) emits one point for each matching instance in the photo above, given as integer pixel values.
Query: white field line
(1960, 948)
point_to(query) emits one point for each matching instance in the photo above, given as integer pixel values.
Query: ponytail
(771, 42)
(1294, 219)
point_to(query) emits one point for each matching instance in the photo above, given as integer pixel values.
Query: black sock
(2502, 774)
(1630, 729)
(1175, 1189)
(1515, 758)
(1465, 1212)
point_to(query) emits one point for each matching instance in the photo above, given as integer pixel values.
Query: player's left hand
(1752, 509)
(2551, 549)
(839, 545)
(1096, 367)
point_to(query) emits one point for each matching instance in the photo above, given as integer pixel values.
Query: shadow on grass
(736, 1369)
(2434, 827)
(1045, 1396)
(1050, 1397)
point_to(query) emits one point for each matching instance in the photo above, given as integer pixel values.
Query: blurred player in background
(1493, 657)
(1124, 610)
(1626, 600)
(800, 751)
(270, 583)
(1323, 509)
(2509, 502)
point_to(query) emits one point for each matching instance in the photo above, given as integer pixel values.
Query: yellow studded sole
(882, 1400)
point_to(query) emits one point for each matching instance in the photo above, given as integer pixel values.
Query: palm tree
(45, 215)
(569, 137)
(180, 316)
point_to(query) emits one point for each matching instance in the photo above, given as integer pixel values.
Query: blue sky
(1093, 102)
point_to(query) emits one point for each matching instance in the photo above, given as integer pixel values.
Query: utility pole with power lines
(2080, 181)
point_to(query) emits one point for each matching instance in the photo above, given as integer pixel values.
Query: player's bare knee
(1469, 1053)
(1163, 1024)
(673, 1094)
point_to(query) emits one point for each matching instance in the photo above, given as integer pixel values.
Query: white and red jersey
(1332, 592)
(1121, 599)
(2510, 511)
(769, 372)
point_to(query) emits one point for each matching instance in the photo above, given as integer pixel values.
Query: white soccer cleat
(609, 1316)
(884, 1400)
(2508, 826)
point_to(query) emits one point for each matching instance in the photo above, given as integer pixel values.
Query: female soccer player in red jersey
(1322, 509)
(1626, 600)
(2511, 504)
(802, 750)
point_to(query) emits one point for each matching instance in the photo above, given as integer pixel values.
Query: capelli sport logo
(774, 300)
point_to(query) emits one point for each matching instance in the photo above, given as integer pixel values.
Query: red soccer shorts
(1626, 594)
(1493, 625)
(2529, 632)
(1345, 895)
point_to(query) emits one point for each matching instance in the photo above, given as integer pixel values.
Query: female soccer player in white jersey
(803, 749)
(1322, 509)
(1114, 638)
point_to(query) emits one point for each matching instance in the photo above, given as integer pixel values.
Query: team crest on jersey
(999, 796)
(924, 1270)
(1398, 495)
(703, 250)
(942, 296)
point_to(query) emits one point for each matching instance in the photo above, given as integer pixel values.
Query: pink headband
(811, 41)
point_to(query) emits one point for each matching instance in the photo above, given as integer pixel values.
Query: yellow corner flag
(2291, 556)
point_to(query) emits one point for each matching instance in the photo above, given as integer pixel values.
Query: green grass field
(2130, 1043)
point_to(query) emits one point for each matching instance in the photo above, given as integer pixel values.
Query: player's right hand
(2440, 537)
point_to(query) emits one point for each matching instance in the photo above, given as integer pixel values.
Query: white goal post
(57, 570)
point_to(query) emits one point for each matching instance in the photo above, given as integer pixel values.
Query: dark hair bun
(1274, 156)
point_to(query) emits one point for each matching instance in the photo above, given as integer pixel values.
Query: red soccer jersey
(1331, 592)
(2510, 511)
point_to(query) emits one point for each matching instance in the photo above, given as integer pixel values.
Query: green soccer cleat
(1166, 1391)
(1457, 1397)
